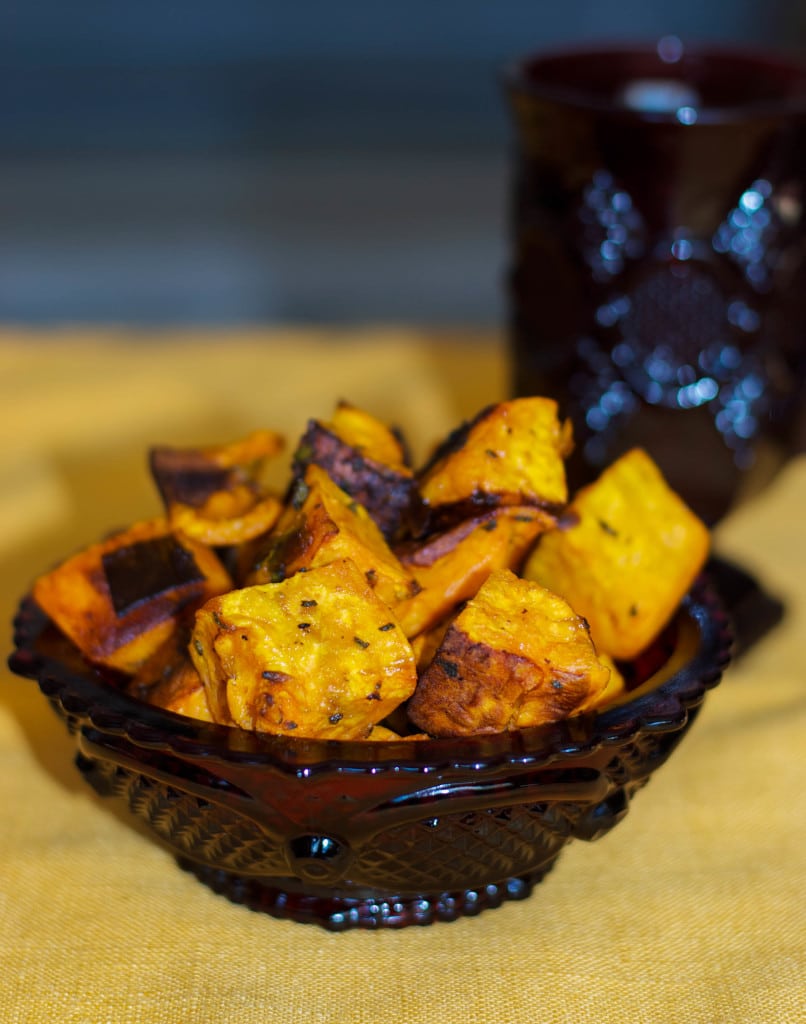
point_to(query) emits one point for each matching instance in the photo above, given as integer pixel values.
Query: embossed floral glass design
(658, 276)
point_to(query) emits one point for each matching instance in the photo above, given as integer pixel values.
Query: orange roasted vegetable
(121, 599)
(630, 551)
(317, 654)
(365, 459)
(515, 656)
(379, 733)
(425, 644)
(451, 566)
(616, 684)
(183, 693)
(168, 679)
(215, 494)
(324, 523)
(510, 454)
(466, 597)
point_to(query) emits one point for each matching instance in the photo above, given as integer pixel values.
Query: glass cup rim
(521, 77)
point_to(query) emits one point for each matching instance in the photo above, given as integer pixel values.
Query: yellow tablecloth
(692, 910)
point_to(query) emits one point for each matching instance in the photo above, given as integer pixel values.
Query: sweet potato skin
(315, 655)
(192, 476)
(365, 459)
(630, 551)
(515, 656)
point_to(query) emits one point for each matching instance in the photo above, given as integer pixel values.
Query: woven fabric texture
(691, 911)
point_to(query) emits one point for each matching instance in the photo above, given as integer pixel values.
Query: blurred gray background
(237, 162)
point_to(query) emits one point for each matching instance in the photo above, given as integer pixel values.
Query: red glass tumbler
(657, 285)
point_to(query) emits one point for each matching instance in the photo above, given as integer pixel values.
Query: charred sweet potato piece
(515, 656)
(451, 566)
(316, 655)
(215, 494)
(629, 553)
(119, 600)
(365, 459)
(323, 524)
(192, 476)
(510, 454)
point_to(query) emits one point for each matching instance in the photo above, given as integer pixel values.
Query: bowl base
(340, 913)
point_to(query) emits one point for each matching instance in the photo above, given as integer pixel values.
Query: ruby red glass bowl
(376, 834)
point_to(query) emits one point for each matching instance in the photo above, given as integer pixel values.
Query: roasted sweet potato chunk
(380, 734)
(120, 600)
(324, 524)
(312, 615)
(215, 494)
(229, 529)
(315, 655)
(510, 454)
(628, 554)
(168, 679)
(426, 644)
(164, 661)
(451, 566)
(183, 693)
(365, 459)
(515, 656)
(616, 685)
